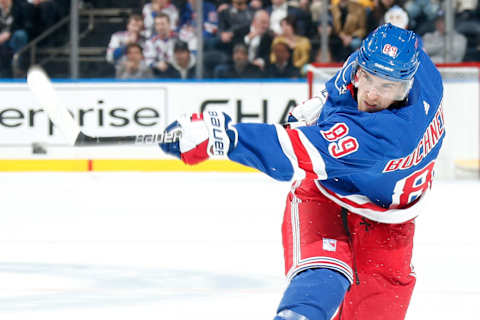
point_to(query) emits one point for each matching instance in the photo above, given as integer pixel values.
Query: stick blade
(45, 94)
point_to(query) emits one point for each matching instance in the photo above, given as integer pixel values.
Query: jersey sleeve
(337, 147)
(259, 147)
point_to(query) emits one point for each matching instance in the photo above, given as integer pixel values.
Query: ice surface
(192, 246)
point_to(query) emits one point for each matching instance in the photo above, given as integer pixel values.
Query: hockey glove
(307, 113)
(204, 136)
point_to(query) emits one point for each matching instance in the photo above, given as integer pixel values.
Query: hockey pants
(374, 257)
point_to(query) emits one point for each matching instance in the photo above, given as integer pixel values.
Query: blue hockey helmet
(390, 52)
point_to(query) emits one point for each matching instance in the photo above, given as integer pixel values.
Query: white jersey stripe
(317, 161)
(320, 264)
(295, 220)
(333, 260)
(360, 205)
(287, 148)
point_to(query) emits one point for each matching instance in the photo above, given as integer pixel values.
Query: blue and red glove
(202, 136)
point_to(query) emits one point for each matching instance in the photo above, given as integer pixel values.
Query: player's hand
(204, 136)
(307, 113)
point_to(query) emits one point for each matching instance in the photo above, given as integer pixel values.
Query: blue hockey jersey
(377, 164)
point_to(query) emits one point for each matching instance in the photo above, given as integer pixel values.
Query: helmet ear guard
(355, 75)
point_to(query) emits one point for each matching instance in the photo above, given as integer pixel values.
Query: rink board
(112, 108)
(71, 165)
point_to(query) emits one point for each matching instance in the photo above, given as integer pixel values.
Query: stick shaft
(46, 95)
(85, 140)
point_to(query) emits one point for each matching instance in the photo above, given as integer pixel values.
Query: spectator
(300, 46)
(280, 9)
(14, 27)
(397, 16)
(349, 24)
(303, 5)
(159, 48)
(376, 16)
(184, 61)
(421, 13)
(282, 67)
(316, 9)
(434, 42)
(257, 5)
(134, 66)
(182, 65)
(45, 13)
(119, 40)
(187, 23)
(467, 21)
(240, 68)
(258, 39)
(369, 4)
(466, 9)
(231, 24)
(153, 9)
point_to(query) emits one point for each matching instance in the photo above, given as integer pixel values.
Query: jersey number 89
(340, 143)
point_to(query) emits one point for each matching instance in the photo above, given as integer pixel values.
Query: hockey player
(361, 157)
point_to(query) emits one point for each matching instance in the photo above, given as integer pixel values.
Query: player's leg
(313, 294)
(317, 256)
(383, 255)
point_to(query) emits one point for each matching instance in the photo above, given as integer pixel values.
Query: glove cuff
(222, 136)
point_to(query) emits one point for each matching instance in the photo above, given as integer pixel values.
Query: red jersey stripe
(304, 160)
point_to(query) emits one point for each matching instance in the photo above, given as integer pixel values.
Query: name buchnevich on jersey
(432, 135)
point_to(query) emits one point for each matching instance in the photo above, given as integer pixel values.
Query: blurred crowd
(248, 38)
(22, 21)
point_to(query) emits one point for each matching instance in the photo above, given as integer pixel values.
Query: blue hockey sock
(314, 294)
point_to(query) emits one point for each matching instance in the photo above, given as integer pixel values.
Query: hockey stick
(43, 90)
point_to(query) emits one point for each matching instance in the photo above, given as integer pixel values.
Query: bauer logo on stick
(166, 137)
